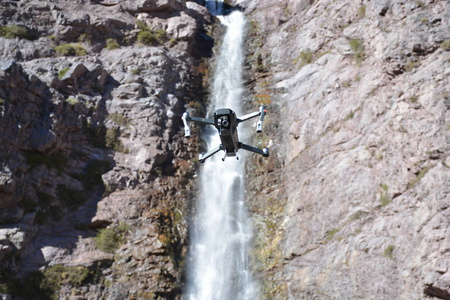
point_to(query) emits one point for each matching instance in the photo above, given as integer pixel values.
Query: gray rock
(362, 218)
(153, 5)
(182, 27)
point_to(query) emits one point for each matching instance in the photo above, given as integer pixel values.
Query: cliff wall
(354, 203)
(95, 179)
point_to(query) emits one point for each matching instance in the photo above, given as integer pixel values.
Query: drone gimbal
(226, 122)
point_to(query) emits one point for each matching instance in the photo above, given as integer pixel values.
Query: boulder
(182, 27)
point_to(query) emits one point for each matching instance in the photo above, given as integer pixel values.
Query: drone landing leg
(264, 152)
(210, 153)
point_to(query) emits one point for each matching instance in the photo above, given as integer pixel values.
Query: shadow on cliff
(57, 151)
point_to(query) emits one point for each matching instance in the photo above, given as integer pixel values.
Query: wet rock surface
(360, 148)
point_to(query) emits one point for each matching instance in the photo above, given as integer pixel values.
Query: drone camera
(224, 122)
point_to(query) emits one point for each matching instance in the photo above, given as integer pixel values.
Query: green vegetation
(425, 21)
(14, 31)
(147, 37)
(44, 285)
(420, 4)
(63, 72)
(385, 199)
(112, 44)
(413, 99)
(358, 48)
(59, 275)
(418, 178)
(53, 161)
(362, 11)
(346, 84)
(411, 65)
(70, 50)
(331, 233)
(2, 101)
(349, 116)
(306, 58)
(110, 239)
(120, 119)
(160, 35)
(172, 42)
(389, 252)
(71, 101)
(112, 140)
(85, 38)
(446, 45)
(168, 223)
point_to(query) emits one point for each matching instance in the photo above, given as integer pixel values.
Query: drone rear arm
(186, 118)
(210, 153)
(264, 152)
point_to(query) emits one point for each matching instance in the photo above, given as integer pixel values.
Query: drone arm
(187, 130)
(261, 113)
(201, 120)
(262, 110)
(248, 116)
(186, 118)
(264, 152)
(210, 153)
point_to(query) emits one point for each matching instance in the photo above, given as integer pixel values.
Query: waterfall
(221, 233)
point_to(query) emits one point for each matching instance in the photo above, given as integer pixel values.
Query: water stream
(221, 234)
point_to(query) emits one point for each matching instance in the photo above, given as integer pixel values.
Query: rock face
(95, 179)
(358, 186)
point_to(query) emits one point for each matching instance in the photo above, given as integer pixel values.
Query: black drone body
(226, 122)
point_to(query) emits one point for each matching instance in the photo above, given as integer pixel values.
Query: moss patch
(110, 239)
(44, 285)
(358, 48)
(63, 72)
(70, 50)
(14, 31)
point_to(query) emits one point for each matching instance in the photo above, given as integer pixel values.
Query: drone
(226, 122)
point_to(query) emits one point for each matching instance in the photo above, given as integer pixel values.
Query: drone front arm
(261, 113)
(248, 116)
(202, 120)
(186, 118)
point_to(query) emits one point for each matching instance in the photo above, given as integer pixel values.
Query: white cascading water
(221, 233)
